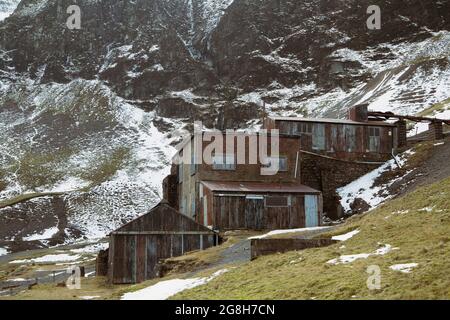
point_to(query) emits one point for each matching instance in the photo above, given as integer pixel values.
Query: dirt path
(241, 251)
(435, 168)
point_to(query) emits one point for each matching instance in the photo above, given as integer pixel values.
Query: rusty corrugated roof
(337, 121)
(245, 187)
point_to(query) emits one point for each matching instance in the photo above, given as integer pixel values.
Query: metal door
(254, 212)
(311, 211)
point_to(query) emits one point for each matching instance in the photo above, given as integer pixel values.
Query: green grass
(106, 166)
(27, 196)
(441, 106)
(422, 237)
(38, 169)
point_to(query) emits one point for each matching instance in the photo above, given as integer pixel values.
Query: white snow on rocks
(352, 257)
(284, 231)
(213, 11)
(3, 252)
(405, 268)
(165, 289)
(67, 185)
(32, 8)
(364, 188)
(346, 236)
(48, 259)
(44, 235)
(7, 7)
(136, 185)
(89, 297)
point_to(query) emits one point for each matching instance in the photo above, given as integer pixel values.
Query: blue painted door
(311, 211)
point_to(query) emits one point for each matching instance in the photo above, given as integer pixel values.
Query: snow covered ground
(346, 236)
(107, 132)
(165, 289)
(285, 231)
(93, 248)
(46, 234)
(423, 126)
(51, 258)
(3, 251)
(352, 257)
(7, 7)
(404, 268)
(365, 189)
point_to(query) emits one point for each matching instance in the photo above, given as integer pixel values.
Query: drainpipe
(395, 158)
(296, 165)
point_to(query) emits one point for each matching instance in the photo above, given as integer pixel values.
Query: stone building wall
(328, 174)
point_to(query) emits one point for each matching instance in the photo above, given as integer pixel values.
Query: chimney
(401, 133)
(358, 113)
(435, 131)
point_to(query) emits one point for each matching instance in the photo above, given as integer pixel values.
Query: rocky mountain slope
(7, 7)
(94, 113)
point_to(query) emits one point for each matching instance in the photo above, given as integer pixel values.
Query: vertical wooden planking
(152, 252)
(140, 258)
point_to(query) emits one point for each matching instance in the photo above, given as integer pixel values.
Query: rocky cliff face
(95, 112)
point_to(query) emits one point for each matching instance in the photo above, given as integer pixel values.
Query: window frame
(225, 166)
(374, 135)
(288, 202)
(279, 163)
(319, 142)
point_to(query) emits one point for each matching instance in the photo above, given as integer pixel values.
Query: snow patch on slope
(100, 124)
(165, 289)
(285, 231)
(365, 189)
(346, 236)
(7, 7)
(51, 258)
(349, 258)
(404, 268)
(3, 251)
(213, 10)
(46, 234)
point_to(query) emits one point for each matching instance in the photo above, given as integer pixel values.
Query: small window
(350, 138)
(374, 139)
(224, 162)
(277, 201)
(282, 163)
(318, 136)
(303, 128)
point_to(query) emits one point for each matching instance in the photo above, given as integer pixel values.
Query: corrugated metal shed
(260, 205)
(136, 247)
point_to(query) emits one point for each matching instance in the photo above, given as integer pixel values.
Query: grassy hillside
(417, 224)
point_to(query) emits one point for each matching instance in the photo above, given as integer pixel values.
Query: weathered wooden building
(136, 248)
(350, 139)
(324, 154)
(259, 205)
(269, 201)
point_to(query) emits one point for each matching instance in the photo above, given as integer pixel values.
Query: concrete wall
(260, 247)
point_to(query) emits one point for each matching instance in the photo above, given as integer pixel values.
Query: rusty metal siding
(344, 140)
(234, 211)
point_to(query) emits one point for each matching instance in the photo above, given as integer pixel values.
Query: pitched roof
(337, 121)
(247, 187)
(163, 218)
